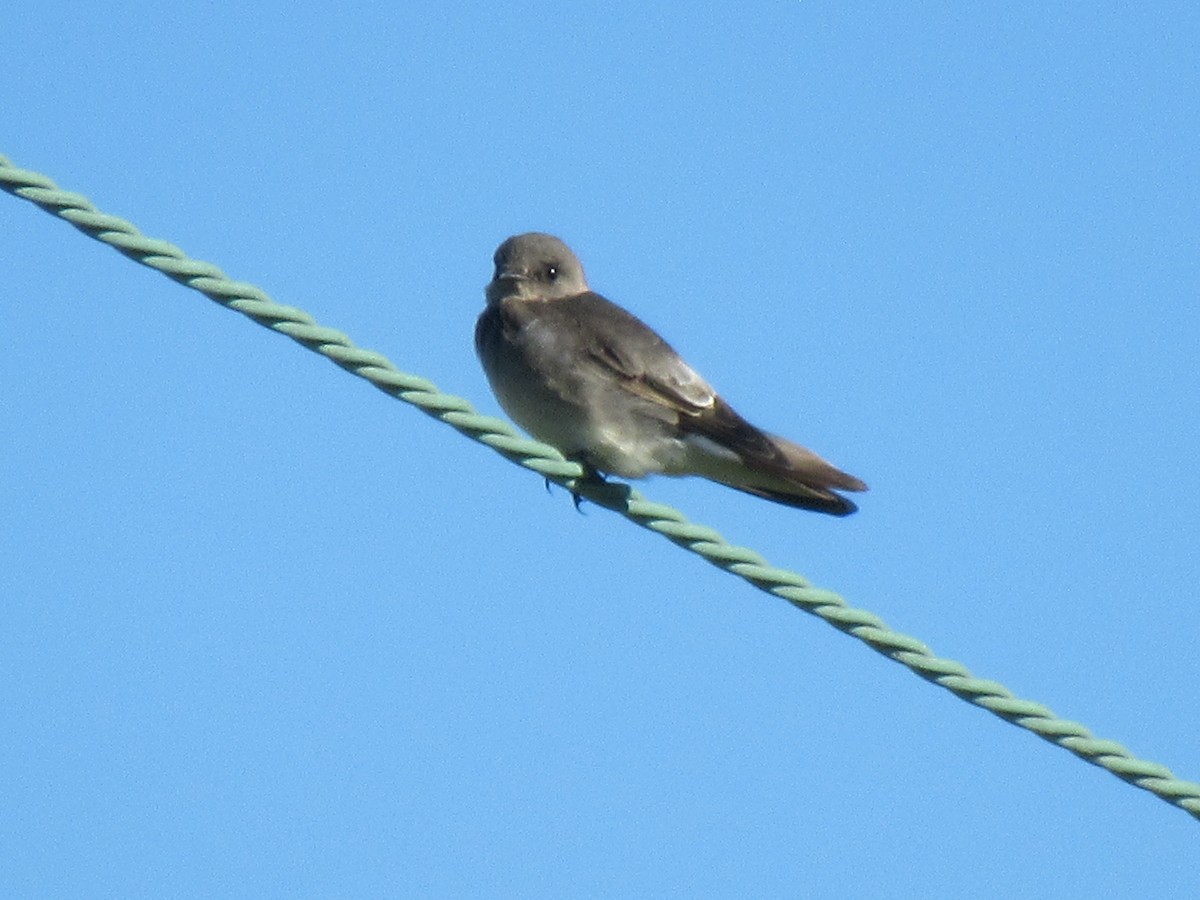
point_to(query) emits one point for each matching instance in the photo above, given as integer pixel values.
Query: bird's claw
(591, 475)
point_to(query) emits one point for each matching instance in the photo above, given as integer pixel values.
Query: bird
(584, 375)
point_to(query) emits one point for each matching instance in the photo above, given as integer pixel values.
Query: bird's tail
(726, 448)
(806, 481)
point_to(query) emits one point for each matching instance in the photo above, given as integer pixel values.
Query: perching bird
(580, 373)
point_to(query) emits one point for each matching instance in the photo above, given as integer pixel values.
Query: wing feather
(647, 366)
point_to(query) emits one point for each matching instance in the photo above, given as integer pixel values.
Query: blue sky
(267, 632)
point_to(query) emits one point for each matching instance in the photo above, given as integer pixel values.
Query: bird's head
(535, 266)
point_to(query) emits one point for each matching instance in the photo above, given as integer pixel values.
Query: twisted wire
(546, 461)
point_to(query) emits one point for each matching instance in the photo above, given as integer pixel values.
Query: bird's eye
(552, 273)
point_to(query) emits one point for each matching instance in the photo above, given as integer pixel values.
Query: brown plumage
(593, 380)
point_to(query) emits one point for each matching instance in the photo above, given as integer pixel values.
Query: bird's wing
(649, 368)
(644, 363)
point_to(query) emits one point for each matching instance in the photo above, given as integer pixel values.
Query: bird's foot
(591, 476)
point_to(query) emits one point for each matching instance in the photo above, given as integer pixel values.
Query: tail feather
(807, 465)
(801, 497)
(732, 451)
(789, 474)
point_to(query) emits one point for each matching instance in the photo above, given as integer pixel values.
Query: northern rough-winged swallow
(580, 373)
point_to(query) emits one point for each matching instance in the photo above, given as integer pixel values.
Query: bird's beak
(504, 283)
